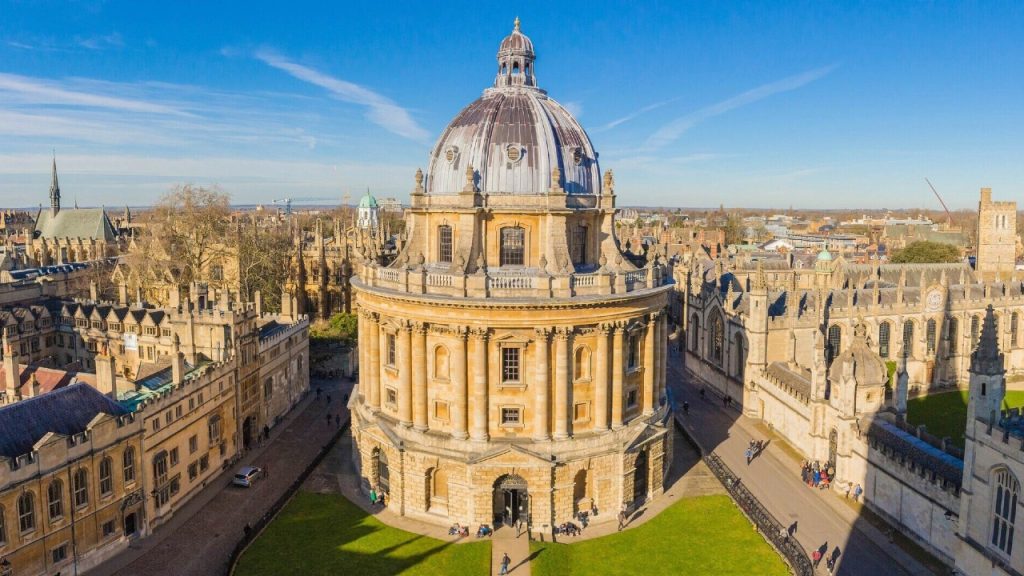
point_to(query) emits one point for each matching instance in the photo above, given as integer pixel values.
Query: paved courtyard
(200, 537)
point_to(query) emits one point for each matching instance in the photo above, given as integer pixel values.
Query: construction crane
(287, 205)
(949, 216)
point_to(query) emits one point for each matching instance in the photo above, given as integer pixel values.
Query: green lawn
(699, 536)
(327, 534)
(946, 414)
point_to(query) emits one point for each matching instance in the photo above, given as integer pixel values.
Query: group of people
(459, 530)
(378, 498)
(569, 529)
(754, 450)
(815, 475)
(830, 561)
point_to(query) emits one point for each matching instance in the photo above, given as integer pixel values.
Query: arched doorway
(380, 466)
(511, 500)
(247, 431)
(640, 473)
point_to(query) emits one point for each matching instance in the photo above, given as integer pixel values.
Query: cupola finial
(516, 24)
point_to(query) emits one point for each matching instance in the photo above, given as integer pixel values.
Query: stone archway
(511, 500)
(641, 471)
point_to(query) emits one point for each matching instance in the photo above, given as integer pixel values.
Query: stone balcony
(527, 283)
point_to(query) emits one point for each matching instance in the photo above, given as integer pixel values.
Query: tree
(263, 260)
(733, 229)
(341, 327)
(187, 231)
(925, 252)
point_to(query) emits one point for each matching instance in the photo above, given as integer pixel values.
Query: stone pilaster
(562, 383)
(601, 380)
(618, 337)
(479, 430)
(649, 368)
(373, 366)
(405, 374)
(458, 368)
(419, 376)
(542, 408)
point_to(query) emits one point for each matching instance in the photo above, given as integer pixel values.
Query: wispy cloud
(102, 42)
(634, 114)
(36, 91)
(575, 108)
(379, 109)
(676, 128)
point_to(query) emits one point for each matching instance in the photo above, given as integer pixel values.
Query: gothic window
(106, 476)
(579, 245)
(717, 339)
(952, 331)
(129, 464)
(1004, 510)
(444, 243)
(26, 512)
(160, 468)
(695, 333)
(740, 356)
(833, 343)
(1013, 330)
(55, 498)
(581, 364)
(510, 364)
(80, 486)
(930, 335)
(908, 338)
(883, 339)
(513, 246)
(975, 328)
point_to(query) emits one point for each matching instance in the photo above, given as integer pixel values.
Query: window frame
(512, 246)
(511, 365)
(445, 244)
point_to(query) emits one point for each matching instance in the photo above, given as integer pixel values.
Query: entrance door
(129, 525)
(247, 432)
(640, 479)
(511, 500)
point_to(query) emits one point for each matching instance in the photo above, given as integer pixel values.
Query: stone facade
(512, 358)
(997, 237)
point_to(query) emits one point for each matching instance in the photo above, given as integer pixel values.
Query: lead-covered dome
(514, 137)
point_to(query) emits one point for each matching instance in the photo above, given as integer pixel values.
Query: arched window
(441, 369)
(106, 476)
(953, 333)
(512, 246)
(739, 355)
(26, 512)
(975, 329)
(444, 243)
(717, 338)
(581, 363)
(438, 486)
(834, 343)
(1004, 510)
(55, 499)
(128, 463)
(579, 244)
(908, 338)
(930, 335)
(80, 487)
(1013, 330)
(695, 333)
(883, 339)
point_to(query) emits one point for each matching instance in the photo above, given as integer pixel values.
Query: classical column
(373, 364)
(542, 408)
(649, 369)
(405, 374)
(479, 429)
(601, 380)
(459, 403)
(662, 350)
(419, 376)
(562, 383)
(363, 347)
(618, 335)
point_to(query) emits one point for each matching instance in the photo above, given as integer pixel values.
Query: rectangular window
(511, 416)
(631, 399)
(156, 424)
(106, 476)
(60, 553)
(510, 364)
(579, 245)
(168, 416)
(204, 463)
(392, 396)
(634, 351)
(175, 485)
(174, 456)
(444, 244)
(441, 411)
(193, 471)
(177, 411)
(108, 528)
(392, 350)
(513, 247)
(193, 444)
(581, 412)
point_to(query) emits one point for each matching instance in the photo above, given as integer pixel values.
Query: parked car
(247, 476)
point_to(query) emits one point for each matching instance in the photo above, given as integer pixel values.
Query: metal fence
(772, 530)
(254, 530)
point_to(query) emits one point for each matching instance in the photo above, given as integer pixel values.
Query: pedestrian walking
(505, 561)
(857, 491)
(345, 398)
(792, 528)
(328, 399)
(749, 456)
(702, 394)
(686, 407)
(622, 519)
(725, 401)
(328, 418)
(816, 558)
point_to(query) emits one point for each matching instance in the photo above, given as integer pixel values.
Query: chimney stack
(122, 294)
(258, 298)
(93, 291)
(33, 386)
(12, 372)
(106, 376)
(177, 362)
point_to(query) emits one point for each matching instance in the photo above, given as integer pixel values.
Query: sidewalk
(210, 525)
(773, 477)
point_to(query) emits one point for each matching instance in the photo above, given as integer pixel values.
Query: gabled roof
(86, 223)
(67, 411)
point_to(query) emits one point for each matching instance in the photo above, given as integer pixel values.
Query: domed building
(513, 358)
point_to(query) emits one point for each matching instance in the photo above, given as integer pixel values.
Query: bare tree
(263, 260)
(188, 230)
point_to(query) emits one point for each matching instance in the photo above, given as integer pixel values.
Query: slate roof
(86, 223)
(66, 411)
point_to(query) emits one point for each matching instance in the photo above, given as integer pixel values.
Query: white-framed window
(511, 416)
(510, 364)
(444, 243)
(512, 246)
(1004, 510)
(392, 350)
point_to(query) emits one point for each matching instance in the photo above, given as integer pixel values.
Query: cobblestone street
(199, 539)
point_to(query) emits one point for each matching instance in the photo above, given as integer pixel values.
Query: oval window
(577, 155)
(451, 153)
(514, 153)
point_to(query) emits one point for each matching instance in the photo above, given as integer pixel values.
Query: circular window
(514, 153)
(451, 153)
(577, 155)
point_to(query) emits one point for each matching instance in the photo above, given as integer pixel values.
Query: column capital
(419, 328)
(543, 333)
(605, 328)
(480, 333)
(404, 325)
(563, 332)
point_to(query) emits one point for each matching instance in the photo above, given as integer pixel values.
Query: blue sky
(764, 104)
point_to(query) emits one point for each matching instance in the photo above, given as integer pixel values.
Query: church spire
(54, 189)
